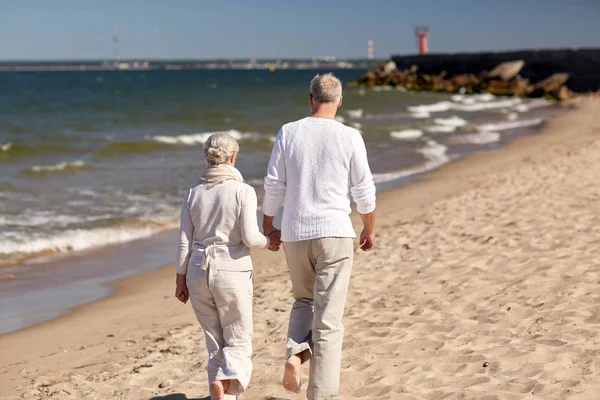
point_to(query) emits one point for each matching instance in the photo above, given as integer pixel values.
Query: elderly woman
(214, 269)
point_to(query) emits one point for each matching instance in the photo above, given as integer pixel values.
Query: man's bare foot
(217, 390)
(291, 374)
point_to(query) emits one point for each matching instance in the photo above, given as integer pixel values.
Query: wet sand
(484, 284)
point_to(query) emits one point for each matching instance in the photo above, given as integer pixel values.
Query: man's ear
(341, 101)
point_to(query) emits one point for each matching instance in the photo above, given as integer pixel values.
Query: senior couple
(316, 165)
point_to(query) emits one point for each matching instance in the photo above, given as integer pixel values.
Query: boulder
(465, 80)
(507, 70)
(563, 93)
(553, 82)
(389, 67)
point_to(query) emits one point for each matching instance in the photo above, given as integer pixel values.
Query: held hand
(181, 291)
(275, 240)
(367, 240)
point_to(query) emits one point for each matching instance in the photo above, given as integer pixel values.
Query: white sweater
(315, 165)
(218, 227)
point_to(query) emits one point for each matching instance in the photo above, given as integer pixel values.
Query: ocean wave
(200, 138)
(355, 113)
(61, 166)
(5, 146)
(473, 98)
(534, 103)
(420, 114)
(339, 118)
(446, 125)
(46, 218)
(429, 108)
(435, 156)
(80, 239)
(503, 126)
(466, 106)
(440, 128)
(407, 134)
(476, 138)
(451, 121)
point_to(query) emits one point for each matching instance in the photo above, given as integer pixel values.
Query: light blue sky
(82, 29)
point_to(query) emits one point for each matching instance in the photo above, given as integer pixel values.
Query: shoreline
(66, 270)
(78, 341)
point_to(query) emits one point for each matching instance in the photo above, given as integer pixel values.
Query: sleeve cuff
(270, 209)
(365, 208)
(181, 270)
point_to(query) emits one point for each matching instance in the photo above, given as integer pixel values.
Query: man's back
(316, 164)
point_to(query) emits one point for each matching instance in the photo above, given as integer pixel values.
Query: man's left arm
(274, 185)
(362, 185)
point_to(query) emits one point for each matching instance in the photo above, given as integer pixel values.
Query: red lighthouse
(422, 32)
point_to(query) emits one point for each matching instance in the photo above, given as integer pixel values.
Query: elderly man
(316, 163)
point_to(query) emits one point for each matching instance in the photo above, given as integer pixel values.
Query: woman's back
(215, 211)
(220, 217)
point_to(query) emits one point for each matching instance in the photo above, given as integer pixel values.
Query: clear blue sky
(82, 29)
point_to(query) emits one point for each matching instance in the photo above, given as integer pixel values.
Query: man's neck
(325, 113)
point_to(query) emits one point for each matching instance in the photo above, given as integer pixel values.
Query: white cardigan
(218, 226)
(315, 165)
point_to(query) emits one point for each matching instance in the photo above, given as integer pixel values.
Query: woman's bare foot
(291, 374)
(217, 390)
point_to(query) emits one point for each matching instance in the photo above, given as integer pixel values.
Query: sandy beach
(483, 285)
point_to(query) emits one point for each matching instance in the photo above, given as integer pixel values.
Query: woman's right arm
(186, 235)
(250, 233)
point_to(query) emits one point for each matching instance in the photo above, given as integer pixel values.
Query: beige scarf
(215, 174)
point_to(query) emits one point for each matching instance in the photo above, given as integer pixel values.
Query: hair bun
(217, 155)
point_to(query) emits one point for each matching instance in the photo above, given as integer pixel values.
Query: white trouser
(222, 301)
(320, 271)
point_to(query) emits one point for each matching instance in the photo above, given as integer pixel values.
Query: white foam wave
(468, 104)
(79, 239)
(534, 103)
(440, 128)
(339, 118)
(420, 114)
(199, 138)
(61, 166)
(407, 134)
(356, 125)
(503, 126)
(428, 108)
(435, 155)
(5, 146)
(470, 99)
(512, 116)
(44, 218)
(355, 113)
(476, 138)
(451, 121)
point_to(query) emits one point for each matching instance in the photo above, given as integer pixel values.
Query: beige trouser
(320, 272)
(222, 301)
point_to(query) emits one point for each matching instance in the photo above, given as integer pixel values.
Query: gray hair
(220, 147)
(326, 89)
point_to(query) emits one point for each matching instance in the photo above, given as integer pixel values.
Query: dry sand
(484, 285)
